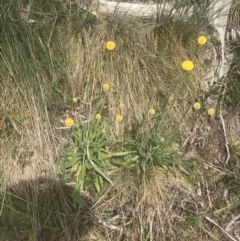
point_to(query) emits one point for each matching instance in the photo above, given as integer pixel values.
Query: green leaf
(60, 169)
(134, 159)
(76, 193)
(81, 175)
(124, 153)
(100, 178)
(71, 161)
(98, 182)
(183, 169)
(117, 162)
(210, 234)
(165, 167)
(88, 165)
(72, 151)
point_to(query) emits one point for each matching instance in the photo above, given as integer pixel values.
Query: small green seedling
(234, 145)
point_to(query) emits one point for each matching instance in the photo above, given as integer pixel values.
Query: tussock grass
(43, 209)
(143, 66)
(152, 207)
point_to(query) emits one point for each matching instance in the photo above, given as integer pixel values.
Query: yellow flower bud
(202, 40)
(105, 87)
(151, 111)
(197, 106)
(171, 98)
(211, 111)
(104, 131)
(121, 106)
(98, 117)
(110, 45)
(75, 100)
(118, 118)
(187, 65)
(69, 122)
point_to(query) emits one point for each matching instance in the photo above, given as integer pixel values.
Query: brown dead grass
(135, 71)
(159, 206)
(152, 208)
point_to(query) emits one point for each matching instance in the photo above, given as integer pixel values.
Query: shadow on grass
(43, 210)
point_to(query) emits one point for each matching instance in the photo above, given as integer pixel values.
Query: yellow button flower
(187, 65)
(104, 131)
(69, 122)
(162, 139)
(202, 40)
(197, 106)
(121, 106)
(105, 87)
(75, 100)
(98, 117)
(211, 111)
(110, 45)
(151, 112)
(118, 118)
(171, 98)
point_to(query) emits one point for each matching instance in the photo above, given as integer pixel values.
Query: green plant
(234, 145)
(155, 147)
(89, 160)
(94, 154)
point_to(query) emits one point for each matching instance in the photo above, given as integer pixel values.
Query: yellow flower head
(171, 98)
(187, 65)
(118, 118)
(202, 40)
(98, 117)
(110, 45)
(75, 100)
(69, 122)
(211, 111)
(151, 112)
(121, 106)
(105, 87)
(196, 105)
(162, 139)
(104, 131)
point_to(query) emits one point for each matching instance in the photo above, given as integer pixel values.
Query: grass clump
(43, 209)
